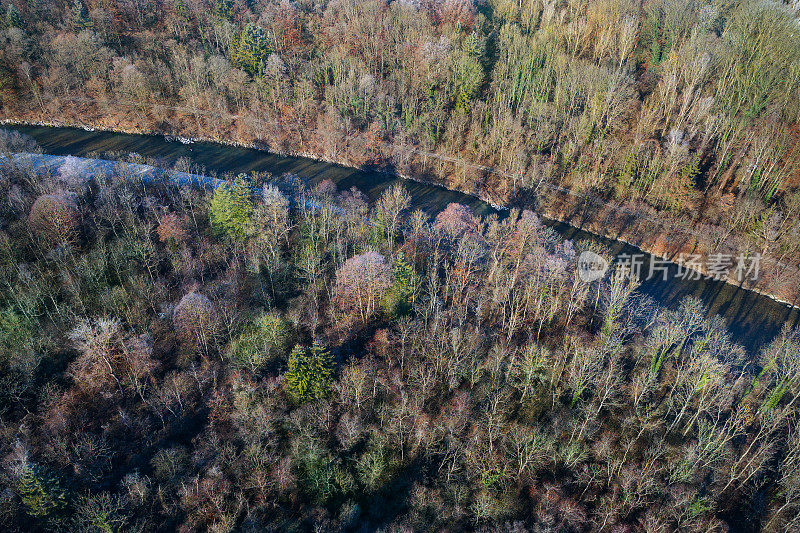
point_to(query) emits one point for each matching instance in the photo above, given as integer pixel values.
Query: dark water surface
(752, 319)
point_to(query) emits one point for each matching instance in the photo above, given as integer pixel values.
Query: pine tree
(13, 17)
(469, 72)
(80, 17)
(242, 208)
(472, 45)
(628, 176)
(691, 171)
(685, 183)
(231, 209)
(250, 50)
(41, 493)
(223, 10)
(405, 282)
(182, 11)
(462, 100)
(310, 373)
(220, 209)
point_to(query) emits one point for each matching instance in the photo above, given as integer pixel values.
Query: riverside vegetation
(682, 112)
(175, 359)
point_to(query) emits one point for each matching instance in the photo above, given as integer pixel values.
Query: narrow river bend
(753, 319)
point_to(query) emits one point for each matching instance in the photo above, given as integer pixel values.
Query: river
(752, 319)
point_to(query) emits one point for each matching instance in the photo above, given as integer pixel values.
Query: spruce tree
(231, 209)
(13, 17)
(223, 10)
(250, 50)
(405, 281)
(41, 493)
(80, 17)
(242, 208)
(219, 209)
(310, 373)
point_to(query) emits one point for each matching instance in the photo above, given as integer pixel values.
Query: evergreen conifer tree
(231, 209)
(80, 17)
(223, 10)
(41, 493)
(250, 50)
(13, 17)
(310, 373)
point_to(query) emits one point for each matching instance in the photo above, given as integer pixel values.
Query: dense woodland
(301, 359)
(295, 359)
(677, 109)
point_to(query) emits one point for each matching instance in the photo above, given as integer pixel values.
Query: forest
(273, 357)
(677, 111)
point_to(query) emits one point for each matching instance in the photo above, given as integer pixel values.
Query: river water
(752, 319)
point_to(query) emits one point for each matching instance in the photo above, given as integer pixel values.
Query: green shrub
(494, 478)
(324, 478)
(16, 333)
(374, 468)
(21, 348)
(266, 339)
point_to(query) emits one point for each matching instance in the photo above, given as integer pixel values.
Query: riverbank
(689, 249)
(778, 281)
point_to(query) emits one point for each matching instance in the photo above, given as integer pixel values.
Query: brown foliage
(55, 219)
(460, 12)
(109, 357)
(196, 320)
(172, 228)
(455, 220)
